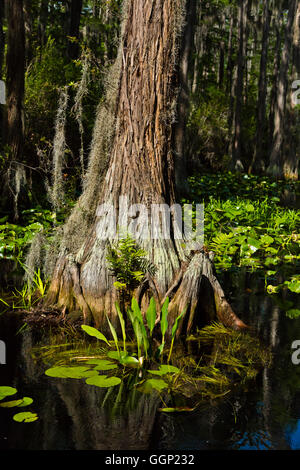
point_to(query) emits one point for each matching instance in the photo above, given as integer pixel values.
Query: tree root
(195, 291)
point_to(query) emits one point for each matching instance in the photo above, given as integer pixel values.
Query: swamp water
(76, 416)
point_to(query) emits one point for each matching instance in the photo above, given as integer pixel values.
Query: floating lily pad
(157, 384)
(180, 409)
(7, 391)
(116, 355)
(25, 417)
(11, 404)
(102, 364)
(64, 372)
(103, 381)
(165, 369)
(26, 401)
(20, 403)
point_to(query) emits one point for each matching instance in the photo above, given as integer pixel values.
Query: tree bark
(14, 125)
(258, 161)
(15, 63)
(292, 143)
(141, 168)
(75, 14)
(42, 21)
(275, 165)
(237, 140)
(181, 183)
(2, 49)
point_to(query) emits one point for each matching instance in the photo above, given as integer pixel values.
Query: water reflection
(74, 415)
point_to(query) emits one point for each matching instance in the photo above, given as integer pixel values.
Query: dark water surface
(73, 415)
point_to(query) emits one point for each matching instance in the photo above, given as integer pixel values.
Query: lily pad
(157, 384)
(180, 409)
(102, 364)
(20, 403)
(25, 417)
(103, 381)
(11, 404)
(165, 369)
(64, 372)
(7, 391)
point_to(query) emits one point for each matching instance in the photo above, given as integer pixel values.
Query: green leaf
(114, 333)
(11, 404)
(20, 403)
(117, 355)
(266, 240)
(25, 417)
(103, 381)
(164, 317)
(151, 315)
(65, 372)
(157, 384)
(7, 391)
(122, 323)
(95, 333)
(293, 313)
(179, 409)
(165, 369)
(254, 244)
(102, 364)
(175, 326)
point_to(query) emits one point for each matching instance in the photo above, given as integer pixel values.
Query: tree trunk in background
(42, 23)
(2, 49)
(28, 25)
(230, 87)
(15, 77)
(258, 161)
(198, 45)
(236, 147)
(275, 165)
(141, 168)
(222, 52)
(181, 176)
(74, 23)
(15, 64)
(278, 20)
(291, 153)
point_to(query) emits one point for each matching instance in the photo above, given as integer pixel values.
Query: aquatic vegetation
(26, 417)
(128, 263)
(222, 360)
(22, 417)
(142, 336)
(245, 225)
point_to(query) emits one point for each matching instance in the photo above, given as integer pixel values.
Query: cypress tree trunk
(14, 125)
(183, 101)
(2, 48)
(275, 165)
(292, 143)
(258, 161)
(15, 63)
(139, 115)
(74, 23)
(236, 146)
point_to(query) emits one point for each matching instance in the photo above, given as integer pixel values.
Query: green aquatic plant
(26, 417)
(142, 334)
(128, 264)
(244, 222)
